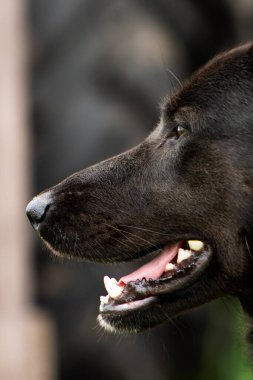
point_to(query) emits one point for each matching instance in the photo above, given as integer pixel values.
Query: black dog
(186, 192)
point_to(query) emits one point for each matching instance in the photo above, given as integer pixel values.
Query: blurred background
(82, 80)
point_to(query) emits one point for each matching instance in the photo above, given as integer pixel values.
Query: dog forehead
(225, 80)
(224, 74)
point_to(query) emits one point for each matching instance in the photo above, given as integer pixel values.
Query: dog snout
(37, 209)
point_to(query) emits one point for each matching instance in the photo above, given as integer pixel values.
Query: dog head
(184, 193)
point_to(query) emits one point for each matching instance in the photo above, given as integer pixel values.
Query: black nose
(37, 209)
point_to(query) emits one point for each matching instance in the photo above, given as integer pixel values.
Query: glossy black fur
(198, 185)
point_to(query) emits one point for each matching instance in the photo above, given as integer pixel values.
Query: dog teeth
(183, 254)
(112, 287)
(196, 245)
(104, 299)
(169, 267)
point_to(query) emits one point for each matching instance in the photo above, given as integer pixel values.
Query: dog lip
(135, 292)
(131, 305)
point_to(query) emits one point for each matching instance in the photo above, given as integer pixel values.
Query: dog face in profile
(183, 198)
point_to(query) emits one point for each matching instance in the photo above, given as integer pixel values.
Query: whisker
(165, 69)
(175, 77)
(98, 243)
(120, 242)
(92, 249)
(122, 233)
(146, 241)
(248, 248)
(144, 229)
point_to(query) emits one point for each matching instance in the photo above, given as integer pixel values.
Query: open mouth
(175, 267)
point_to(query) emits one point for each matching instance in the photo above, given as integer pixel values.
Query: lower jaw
(151, 312)
(158, 304)
(131, 321)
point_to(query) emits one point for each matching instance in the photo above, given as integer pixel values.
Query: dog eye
(179, 130)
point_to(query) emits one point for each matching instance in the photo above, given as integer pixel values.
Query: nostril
(37, 209)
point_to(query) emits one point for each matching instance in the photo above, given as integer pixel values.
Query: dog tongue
(154, 268)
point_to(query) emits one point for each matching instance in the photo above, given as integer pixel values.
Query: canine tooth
(169, 267)
(196, 245)
(183, 254)
(112, 288)
(104, 299)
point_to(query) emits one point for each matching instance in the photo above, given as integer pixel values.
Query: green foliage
(225, 355)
